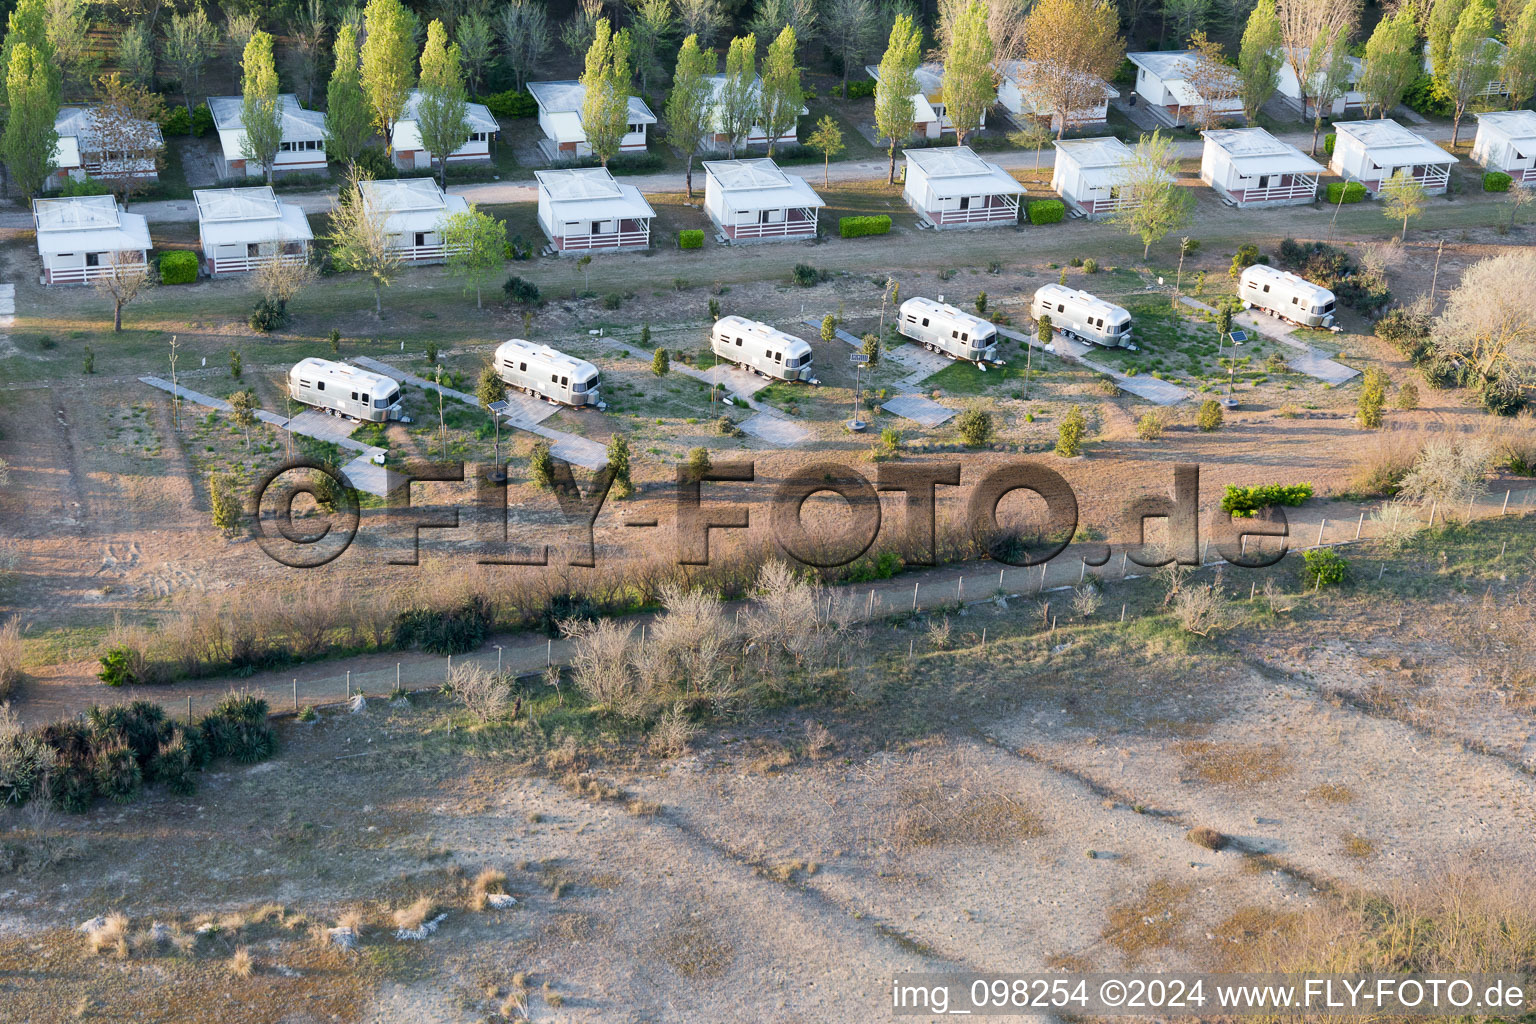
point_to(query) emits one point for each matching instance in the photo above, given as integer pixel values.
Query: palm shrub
(117, 772)
(174, 765)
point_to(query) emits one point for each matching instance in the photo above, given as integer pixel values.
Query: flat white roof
(591, 192)
(299, 125)
(556, 97)
(1106, 151)
(1018, 72)
(957, 171)
(411, 204)
(77, 134)
(1385, 139)
(227, 216)
(1058, 292)
(88, 224)
(759, 184)
(1511, 124)
(375, 382)
(1255, 151)
(1173, 68)
(407, 134)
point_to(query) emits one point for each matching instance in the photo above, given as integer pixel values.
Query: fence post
(983, 637)
(869, 607)
(999, 579)
(1122, 613)
(914, 595)
(1432, 507)
(189, 709)
(349, 681)
(295, 693)
(1082, 570)
(1360, 526)
(397, 675)
(910, 642)
(1320, 530)
(549, 652)
(960, 589)
(1506, 504)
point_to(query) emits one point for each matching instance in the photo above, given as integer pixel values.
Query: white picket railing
(80, 275)
(803, 226)
(976, 215)
(244, 264)
(1306, 188)
(607, 240)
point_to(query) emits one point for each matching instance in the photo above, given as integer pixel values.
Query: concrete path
(1158, 392)
(921, 362)
(923, 411)
(767, 423)
(1307, 359)
(525, 413)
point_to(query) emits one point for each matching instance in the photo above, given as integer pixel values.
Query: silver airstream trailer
(1077, 314)
(943, 328)
(546, 372)
(345, 390)
(1287, 296)
(761, 348)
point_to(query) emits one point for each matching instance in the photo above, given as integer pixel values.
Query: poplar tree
(688, 106)
(1391, 61)
(1260, 59)
(605, 84)
(736, 104)
(782, 98)
(348, 120)
(260, 114)
(1471, 62)
(29, 24)
(1519, 71)
(894, 92)
(969, 85)
(442, 113)
(388, 64)
(29, 140)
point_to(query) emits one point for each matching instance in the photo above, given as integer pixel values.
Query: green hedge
(857, 227)
(1497, 181)
(1243, 502)
(1046, 211)
(1352, 192)
(511, 104)
(693, 238)
(860, 90)
(178, 267)
(1328, 143)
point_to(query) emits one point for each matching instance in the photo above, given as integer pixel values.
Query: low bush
(975, 427)
(1323, 567)
(202, 120)
(1243, 502)
(176, 121)
(1425, 97)
(268, 316)
(1210, 416)
(1329, 141)
(1347, 191)
(523, 292)
(444, 630)
(1246, 256)
(178, 267)
(1046, 211)
(858, 227)
(513, 103)
(807, 276)
(86, 187)
(859, 90)
(690, 238)
(1497, 181)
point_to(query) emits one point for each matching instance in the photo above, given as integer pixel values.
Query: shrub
(88, 187)
(176, 121)
(202, 120)
(1373, 397)
(1046, 211)
(1408, 396)
(1350, 191)
(1207, 837)
(660, 364)
(1246, 256)
(1243, 502)
(698, 464)
(178, 267)
(975, 427)
(268, 316)
(1069, 435)
(1149, 427)
(541, 466)
(807, 276)
(1425, 97)
(523, 292)
(690, 238)
(1496, 181)
(511, 104)
(10, 656)
(1323, 567)
(116, 771)
(1090, 265)
(1210, 417)
(122, 665)
(453, 630)
(613, 300)
(862, 89)
(857, 227)
(1329, 141)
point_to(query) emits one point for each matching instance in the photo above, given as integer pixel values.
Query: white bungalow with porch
(81, 238)
(1250, 167)
(1023, 101)
(954, 188)
(81, 152)
(930, 117)
(410, 153)
(241, 229)
(1370, 152)
(752, 200)
(302, 148)
(717, 141)
(1506, 141)
(1164, 81)
(1090, 175)
(584, 209)
(1349, 98)
(414, 210)
(565, 138)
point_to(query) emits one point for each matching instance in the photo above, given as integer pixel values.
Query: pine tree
(894, 106)
(688, 107)
(605, 81)
(260, 114)
(619, 466)
(29, 140)
(442, 113)
(782, 97)
(348, 121)
(1373, 396)
(388, 64)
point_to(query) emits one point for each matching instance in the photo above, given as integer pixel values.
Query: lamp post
(858, 359)
(500, 475)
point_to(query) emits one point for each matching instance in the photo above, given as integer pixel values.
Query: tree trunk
(688, 175)
(891, 177)
(826, 169)
(1317, 126)
(1456, 125)
(117, 315)
(478, 304)
(1146, 247)
(378, 300)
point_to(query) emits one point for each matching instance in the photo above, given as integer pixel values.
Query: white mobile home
(413, 210)
(410, 153)
(1286, 295)
(87, 147)
(583, 208)
(752, 200)
(547, 373)
(1506, 141)
(241, 229)
(930, 116)
(1077, 314)
(760, 348)
(560, 106)
(953, 187)
(1495, 88)
(303, 144)
(1250, 167)
(81, 238)
(1349, 98)
(1370, 152)
(717, 141)
(1167, 81)
(345, 390)
(1090, 175)
(943, 328)
(1018, 94)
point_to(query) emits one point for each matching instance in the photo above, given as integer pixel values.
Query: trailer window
(925, 321)
(367, 399)
(565, 382)
(354, 396)
(965, 337)
(523, 367)
(320, 386)
(1266, 289)
(738, 343)
(1061, 307)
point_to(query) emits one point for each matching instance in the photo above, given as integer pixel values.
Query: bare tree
(126, 277)
(281, 276)
(702, 18)
(1313, 35)
(360, 239)
(1491, 316)
(526, 39)
(1213, 78)
(124, 136)
(851, 32)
